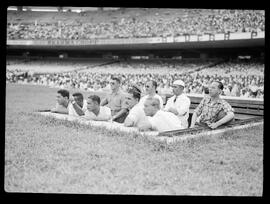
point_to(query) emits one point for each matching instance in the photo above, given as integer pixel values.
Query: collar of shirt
(209, 100)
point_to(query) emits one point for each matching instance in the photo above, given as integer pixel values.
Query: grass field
(45, 155)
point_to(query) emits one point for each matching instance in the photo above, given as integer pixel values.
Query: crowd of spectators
(240, 79)
(178, 22)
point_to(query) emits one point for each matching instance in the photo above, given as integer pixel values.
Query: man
(136, 114)
(62, 100)
(116, 101)
(95, 111)
(211, 107)
(151, 91)
(77, 105)
(179, 103)
(158, 119)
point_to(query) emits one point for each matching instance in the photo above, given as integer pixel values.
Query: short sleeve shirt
(137, 115)
(208, 110)
(116, 102)
(104, 114)
(165, 121)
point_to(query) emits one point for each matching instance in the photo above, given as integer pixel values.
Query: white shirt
(71, 110)
(182, 105)
(143, 99)
(137, 115)
(165, 121)
(104, 114)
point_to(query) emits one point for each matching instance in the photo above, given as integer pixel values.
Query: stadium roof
(55, 9)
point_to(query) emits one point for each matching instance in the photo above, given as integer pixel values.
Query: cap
(179, 83)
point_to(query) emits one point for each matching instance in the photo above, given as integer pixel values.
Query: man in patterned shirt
(211, 107)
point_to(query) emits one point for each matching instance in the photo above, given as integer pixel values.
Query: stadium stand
(131, 23)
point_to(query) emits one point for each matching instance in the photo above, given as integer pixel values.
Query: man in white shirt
(77, 105)
(179, 103)
(158, 119)
(95, 111)
(136, 114)
(151, 91)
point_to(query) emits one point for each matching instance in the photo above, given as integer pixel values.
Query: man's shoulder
(105, 108)
(136, 108)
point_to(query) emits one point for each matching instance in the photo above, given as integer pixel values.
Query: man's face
(60, 99)
(91, 105)
(78, 100)
(130, 100)
(149, 109)
(114, 84)
(177, 90)
(149, 88)
(214, 90)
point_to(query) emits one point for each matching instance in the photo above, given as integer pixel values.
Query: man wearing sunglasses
(151, 91)
(116, 101)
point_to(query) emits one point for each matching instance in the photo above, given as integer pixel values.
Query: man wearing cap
(212, 110)
(179, 103)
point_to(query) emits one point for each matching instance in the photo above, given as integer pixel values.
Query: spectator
(116, 101)
(158, 119)
(136, 115)
(77, 105)
(62, 99)
(211, 107)
(151, 91)
(179, 103)
(95, 111)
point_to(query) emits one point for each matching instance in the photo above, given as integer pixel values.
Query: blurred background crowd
(240, 78)
(132, 23)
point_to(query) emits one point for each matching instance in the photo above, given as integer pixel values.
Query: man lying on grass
(136, 114)
(158, 119)
(74, 105)
(95, 111)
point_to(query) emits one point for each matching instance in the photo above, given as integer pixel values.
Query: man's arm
(78, 109)
(59, 109)
(104, 102)
(128, 122)
(229, 116)
(146, 125)
(120, 113)
(193, 120)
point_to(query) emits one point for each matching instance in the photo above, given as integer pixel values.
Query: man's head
(133, 96)
(215, 89)
(151, 106)
(93, 103)
(62, 97)
(78, 98)
(178, 87)
(151, 87)
(115, 83)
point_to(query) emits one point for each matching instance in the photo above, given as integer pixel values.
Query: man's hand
(144, 126)
(71, 99)
(213, 125)
(173, 110)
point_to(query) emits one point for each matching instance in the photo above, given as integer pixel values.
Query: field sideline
(45, 155)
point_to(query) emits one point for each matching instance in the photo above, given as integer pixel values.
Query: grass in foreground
(51, 156)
